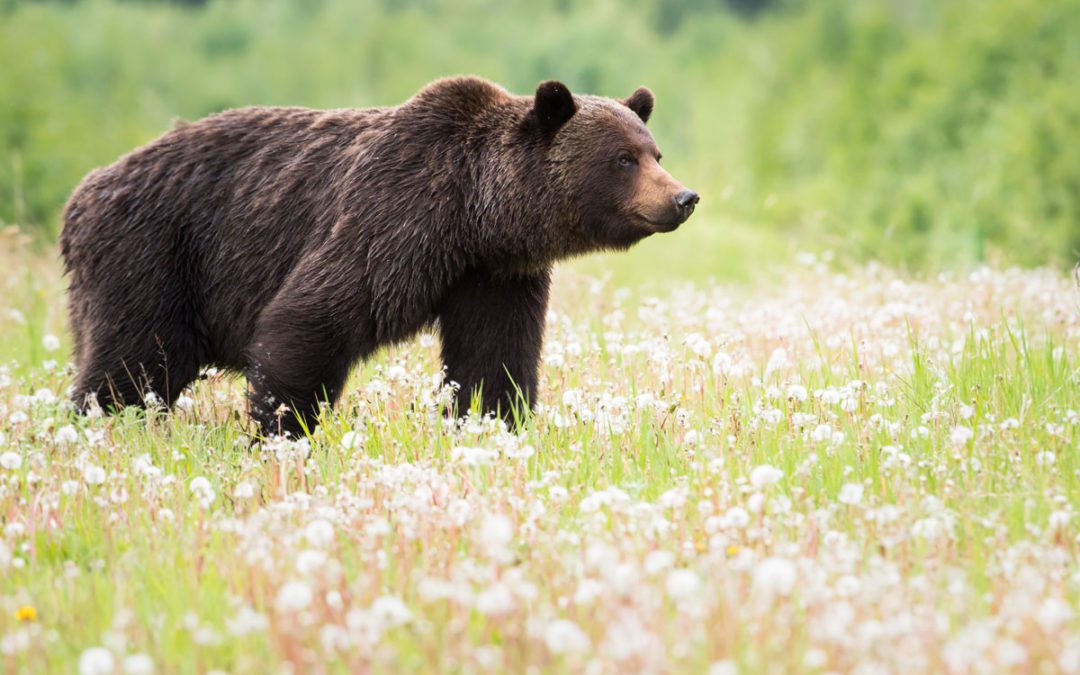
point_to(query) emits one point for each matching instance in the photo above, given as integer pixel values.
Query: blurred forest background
(922, 133)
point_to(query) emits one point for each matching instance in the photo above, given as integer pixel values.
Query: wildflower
(563, 637)
(927, 528)
(246, 621)
(26, 613)
(66, 435)
(202, 489)
(815, 658)
(185, 403)
(1046, 458)
(850, 494)
(308, 561)
(10, 460)
(673, 498)
(50, 342)
(470, 456)
(319, 533)
(495, 535)
(723, 365)
(93, 475)
(391, 611)
(571, 398)
(138, 664)
(96, 661)
(496, 599)
(1053, 613)
(1058, 520)
(588, 591)
(459, 511)
(558, 493)
(765, 474)
(777, 360)
(523, 451)
(774, 576)
(293, 596)
(737, 517)
(658, 561)
(725, 667)
(960, 435)
(244, 490)
(351, 440)
(682, 585)
(1010, 654)
(822, 433)
(699, 345)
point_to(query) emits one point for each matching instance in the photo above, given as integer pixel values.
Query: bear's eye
(626, 159)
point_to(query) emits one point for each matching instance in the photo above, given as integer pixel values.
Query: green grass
(641, 458)
(754, 450)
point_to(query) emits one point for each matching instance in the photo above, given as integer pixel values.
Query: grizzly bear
(288, 243)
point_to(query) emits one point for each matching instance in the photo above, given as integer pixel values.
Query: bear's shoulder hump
(466, 93)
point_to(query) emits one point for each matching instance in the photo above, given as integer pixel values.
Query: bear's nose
(686, 200)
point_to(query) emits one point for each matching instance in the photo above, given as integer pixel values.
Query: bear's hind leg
(119, 369)
(290, 377)
(299, 358)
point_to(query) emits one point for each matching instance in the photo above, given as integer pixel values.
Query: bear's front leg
(492, 333)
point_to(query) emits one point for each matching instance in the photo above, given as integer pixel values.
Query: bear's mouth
(660, 226)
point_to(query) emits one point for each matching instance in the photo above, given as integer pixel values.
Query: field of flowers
(852, 472)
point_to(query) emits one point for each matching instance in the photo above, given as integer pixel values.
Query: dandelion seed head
(774, 576)
(97, 661)
(850, 494)
(765, 475)
(293, 596)
(563, 636)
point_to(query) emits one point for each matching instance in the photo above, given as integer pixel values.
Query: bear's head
(605, 164)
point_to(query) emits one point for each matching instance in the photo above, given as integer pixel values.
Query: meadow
(828, 472)
(830, 425)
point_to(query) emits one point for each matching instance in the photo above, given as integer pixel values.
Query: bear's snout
(663, 203)
(685, 202)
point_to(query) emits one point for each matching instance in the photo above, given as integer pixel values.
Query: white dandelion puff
(764, 475)
(850, 494)
(97, 661)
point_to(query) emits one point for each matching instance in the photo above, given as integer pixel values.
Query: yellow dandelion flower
(732, 550)
(26, 613)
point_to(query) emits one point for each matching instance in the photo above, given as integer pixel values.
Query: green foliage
(921, 133)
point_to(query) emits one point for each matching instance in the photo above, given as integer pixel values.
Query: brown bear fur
(289, 243)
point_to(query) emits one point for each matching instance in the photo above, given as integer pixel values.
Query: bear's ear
(641, 102)
(554, 105)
